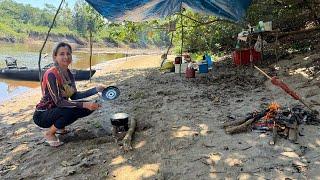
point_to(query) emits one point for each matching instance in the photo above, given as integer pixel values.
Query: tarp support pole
(171, 41)
(90, 52)
(181, 49)
(45, 41)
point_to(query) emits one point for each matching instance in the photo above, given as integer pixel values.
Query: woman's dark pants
(59, 117)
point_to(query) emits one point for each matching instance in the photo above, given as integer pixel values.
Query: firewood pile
(282, 122)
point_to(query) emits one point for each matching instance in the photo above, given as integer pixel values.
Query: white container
(183, 67)
(268, 26)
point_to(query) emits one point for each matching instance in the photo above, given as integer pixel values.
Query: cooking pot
(120, 120)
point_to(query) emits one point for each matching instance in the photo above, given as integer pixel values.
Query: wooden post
(181, 49)
(90, 53)
(277, 47)
(261, 34)
(274, 135)
(250, 48)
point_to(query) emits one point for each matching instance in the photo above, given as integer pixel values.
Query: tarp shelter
(141, 10)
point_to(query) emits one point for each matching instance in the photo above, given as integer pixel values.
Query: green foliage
(286, 14)
(18, 21)
(7, 32)
(201, 36)
(86, 19)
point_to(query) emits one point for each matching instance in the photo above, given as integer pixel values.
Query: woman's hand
(91, 106)
(100, 88)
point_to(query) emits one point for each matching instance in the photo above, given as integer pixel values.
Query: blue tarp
(141, 10)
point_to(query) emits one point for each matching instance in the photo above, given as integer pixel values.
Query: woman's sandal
(63, 131)
(56, 143)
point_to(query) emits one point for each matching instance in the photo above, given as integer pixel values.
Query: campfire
(282, 121)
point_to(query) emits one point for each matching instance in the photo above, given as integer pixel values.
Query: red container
(190, 73)
(178, 60)
(242, 57)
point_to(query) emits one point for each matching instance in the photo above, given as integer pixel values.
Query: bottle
(261, 25)
(238, 45)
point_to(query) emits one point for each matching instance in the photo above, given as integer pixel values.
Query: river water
(28, 55)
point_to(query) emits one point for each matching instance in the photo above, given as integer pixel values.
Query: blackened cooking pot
(120, 119)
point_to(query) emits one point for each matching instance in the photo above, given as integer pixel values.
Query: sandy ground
(179, 134)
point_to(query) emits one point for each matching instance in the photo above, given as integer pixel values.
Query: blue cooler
(203, 68)
(209, 61)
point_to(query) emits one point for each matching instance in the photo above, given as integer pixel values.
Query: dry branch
(127, 146)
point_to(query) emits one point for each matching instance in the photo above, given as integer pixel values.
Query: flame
(273, 110)
(274, 106)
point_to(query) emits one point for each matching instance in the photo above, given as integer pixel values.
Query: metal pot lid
(120, 116)
(110, 93)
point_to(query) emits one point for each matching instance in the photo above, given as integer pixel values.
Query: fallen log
(127, 140)
(234, 123)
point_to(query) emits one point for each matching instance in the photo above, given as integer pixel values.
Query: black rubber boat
(12, 71)
(32, 74)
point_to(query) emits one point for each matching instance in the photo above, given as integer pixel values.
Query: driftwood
(127, 146)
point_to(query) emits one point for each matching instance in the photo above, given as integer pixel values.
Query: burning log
(244, 126)
(237, 122)
(239, 128)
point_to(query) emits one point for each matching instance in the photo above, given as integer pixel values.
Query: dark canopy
(140, 10)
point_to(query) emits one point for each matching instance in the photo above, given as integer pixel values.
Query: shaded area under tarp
(141, 10)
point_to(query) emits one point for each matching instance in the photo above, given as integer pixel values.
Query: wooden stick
(274, 135)
(300, 100)
(262, 72)
(127, 146)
